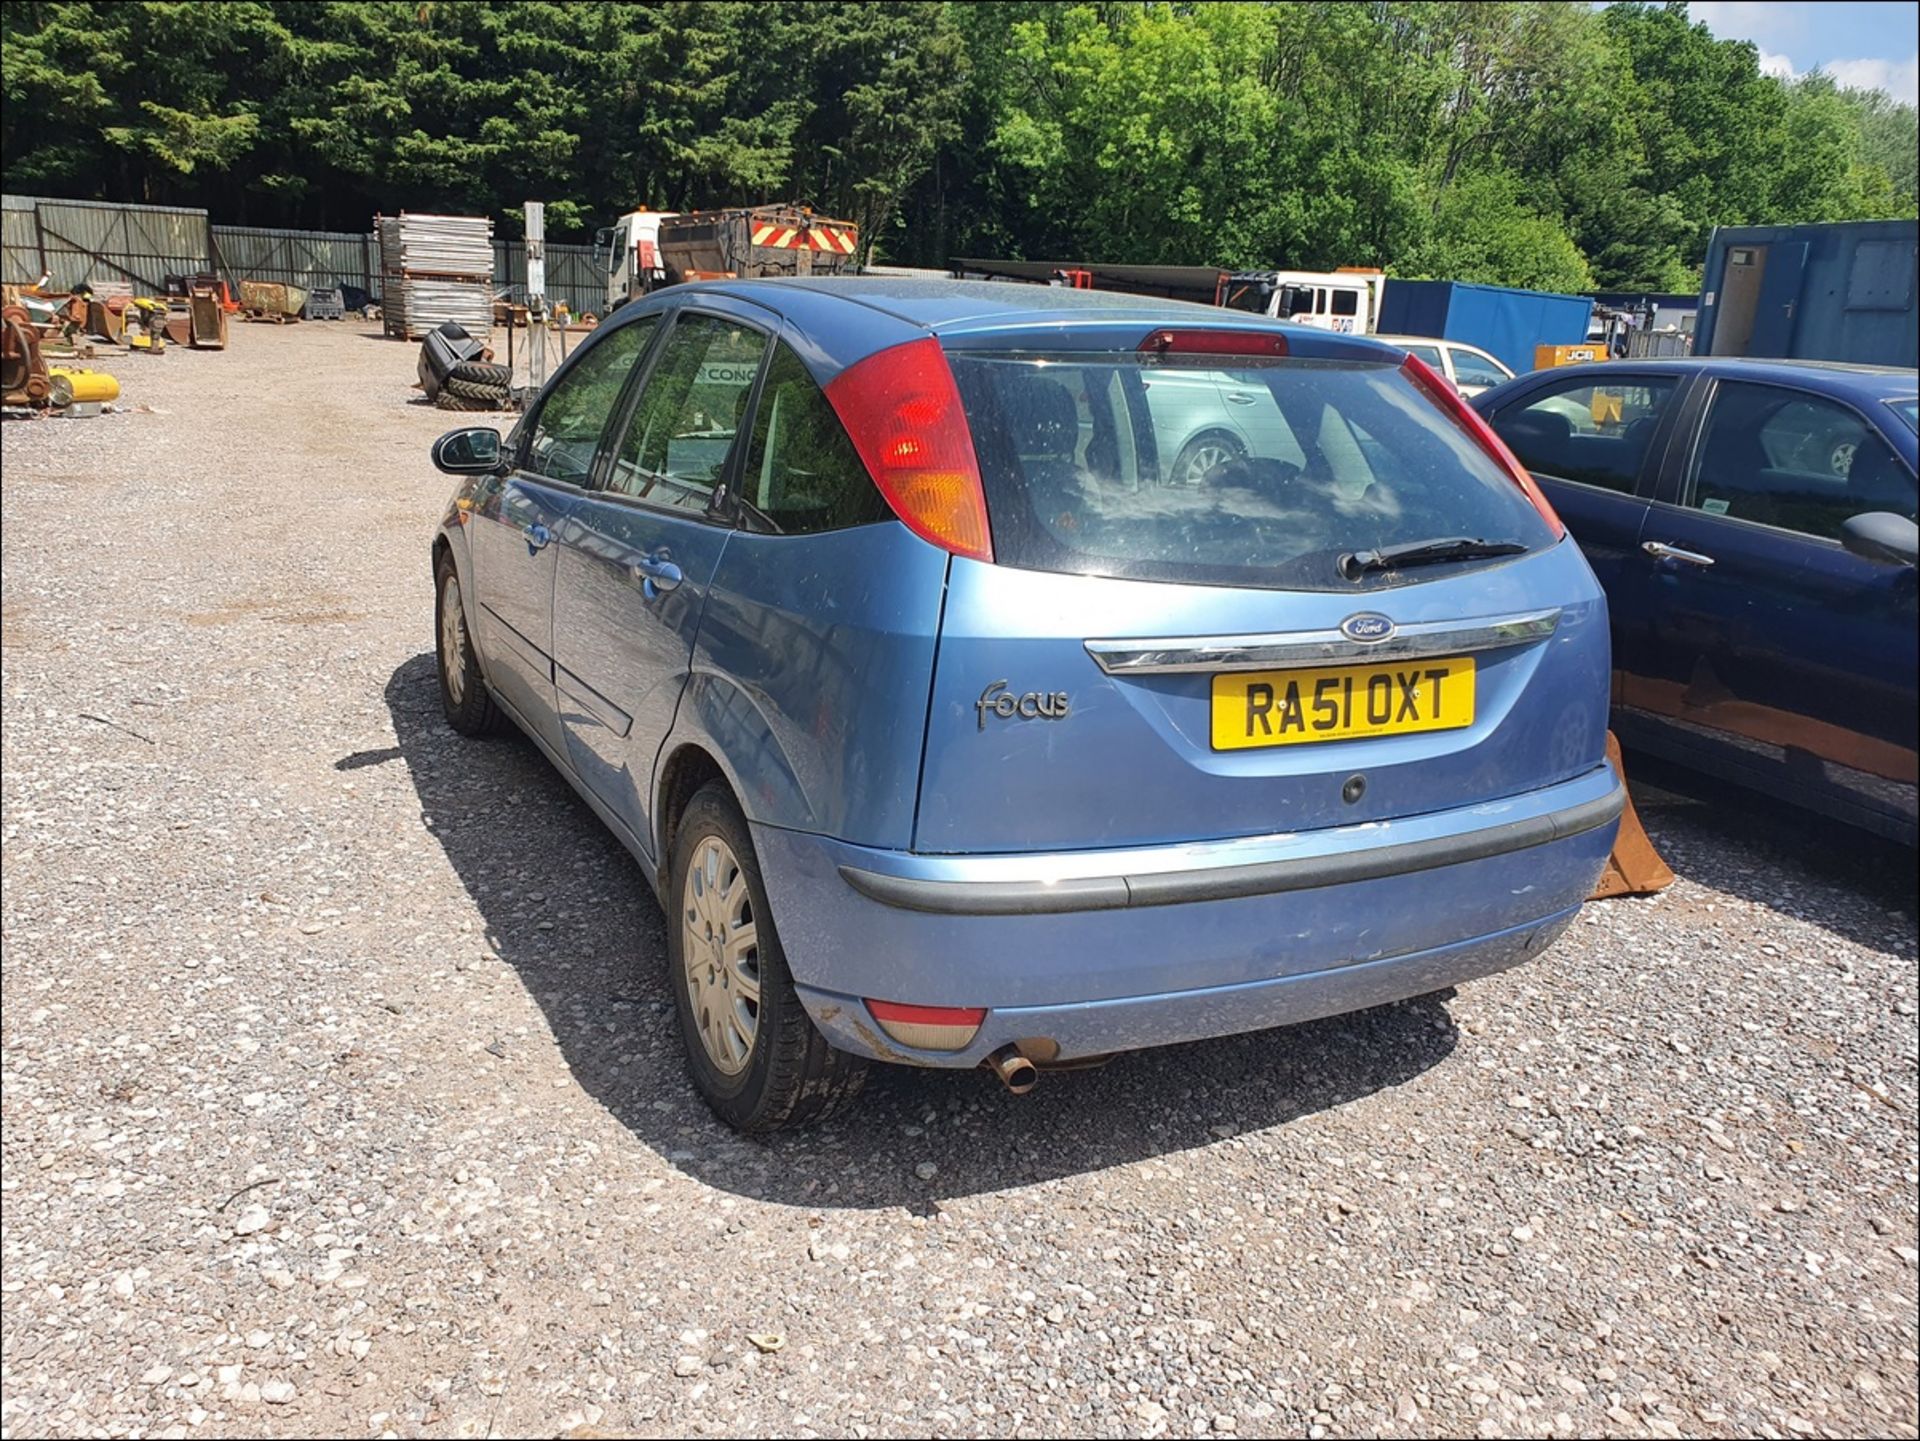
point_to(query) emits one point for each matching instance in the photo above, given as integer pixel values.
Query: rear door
(1772, 653)
(1146, 662)
(1594, 441)
(640, 549)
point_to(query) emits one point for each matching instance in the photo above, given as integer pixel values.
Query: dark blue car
(1753, 524)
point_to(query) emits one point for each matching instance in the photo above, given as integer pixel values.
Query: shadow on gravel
(1721, 835)
(567, 908)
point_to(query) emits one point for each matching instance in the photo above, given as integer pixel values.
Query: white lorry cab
(630, 249)
(1346, 300)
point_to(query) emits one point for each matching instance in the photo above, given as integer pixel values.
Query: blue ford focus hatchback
(990, 675)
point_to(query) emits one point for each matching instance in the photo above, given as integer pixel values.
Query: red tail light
(930, 1028)
(1214, 342)
(1481, 434)
(902, 410)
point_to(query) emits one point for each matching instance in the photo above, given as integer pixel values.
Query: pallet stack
(435, 268)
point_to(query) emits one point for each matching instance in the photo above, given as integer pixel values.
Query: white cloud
(1777, 65)
(1899, 78)
(1764, 22)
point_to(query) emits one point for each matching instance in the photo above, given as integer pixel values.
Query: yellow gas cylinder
(70, 385)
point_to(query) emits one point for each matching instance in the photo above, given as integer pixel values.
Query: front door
(638, 554)
(1777, 656)
(515, 527)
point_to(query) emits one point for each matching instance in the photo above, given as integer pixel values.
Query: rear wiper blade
(1425, 552)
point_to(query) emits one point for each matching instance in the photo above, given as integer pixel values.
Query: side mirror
(1883, 536)
(473, 451)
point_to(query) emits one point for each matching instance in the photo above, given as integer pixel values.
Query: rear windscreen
(1248, 472)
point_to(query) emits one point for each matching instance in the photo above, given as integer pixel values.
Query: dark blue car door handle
(656, 573)
(1660, 550)
(537, 536)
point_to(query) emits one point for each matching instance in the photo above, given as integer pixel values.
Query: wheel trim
(720, 954)
(1203, 459)
(453, 641)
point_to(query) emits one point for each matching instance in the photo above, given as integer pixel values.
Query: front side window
(1231, 472)
(566, 433)
(802, 473)
(1595, 432)
(1797, 461)
(675, 449)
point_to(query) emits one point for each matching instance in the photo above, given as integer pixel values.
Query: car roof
(899, 307)
(1828, 377)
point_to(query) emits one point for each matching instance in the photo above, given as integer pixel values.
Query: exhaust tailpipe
(1016, 1072)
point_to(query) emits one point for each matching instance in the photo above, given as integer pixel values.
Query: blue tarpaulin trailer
(1508, 323)
(1811, 292)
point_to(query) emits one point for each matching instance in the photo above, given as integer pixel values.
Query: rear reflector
(1214, 342)
(1481, 434)
(902, 411)
(929, 1028)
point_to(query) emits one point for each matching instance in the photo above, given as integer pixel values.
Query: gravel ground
(342, 1093)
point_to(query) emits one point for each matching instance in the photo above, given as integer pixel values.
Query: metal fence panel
(143, 244)
(573, 275)
(96, 241)
(311, 259)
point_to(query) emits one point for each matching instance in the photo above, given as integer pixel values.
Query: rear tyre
(464, 697)
(1203, 455)
(752, 1051)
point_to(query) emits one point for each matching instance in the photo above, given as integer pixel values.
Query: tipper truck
(647, 249)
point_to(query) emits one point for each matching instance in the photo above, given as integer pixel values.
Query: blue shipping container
(1811, 292)
(1504, 322)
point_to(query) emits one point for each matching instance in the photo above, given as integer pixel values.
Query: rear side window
(577, 408)
(1593, 433)
(1472, 369)
(1248, 473)
(802, 473)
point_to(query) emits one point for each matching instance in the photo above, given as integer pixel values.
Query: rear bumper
(1086, 952)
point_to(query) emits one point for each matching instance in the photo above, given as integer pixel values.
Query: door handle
(1660, 550)
(537, 537)
(656, 573)
(1239, 399)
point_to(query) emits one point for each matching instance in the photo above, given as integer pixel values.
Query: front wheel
(753, 1052)
(463, 691)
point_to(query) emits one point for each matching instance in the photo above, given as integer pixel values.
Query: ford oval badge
(1367, 627)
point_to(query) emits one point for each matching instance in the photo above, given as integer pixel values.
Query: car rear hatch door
(1261, 649)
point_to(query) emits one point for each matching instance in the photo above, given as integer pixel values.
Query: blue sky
(1873, 44)
(1863, 43)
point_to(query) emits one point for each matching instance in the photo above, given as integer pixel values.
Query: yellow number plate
(1348, 702)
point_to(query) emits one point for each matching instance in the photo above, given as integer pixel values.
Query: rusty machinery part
(208, 330)
(23, 370)
(1635, 867)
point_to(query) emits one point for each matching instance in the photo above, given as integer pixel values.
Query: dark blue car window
(1795, 460)
(1595, 432)
(1229, 472)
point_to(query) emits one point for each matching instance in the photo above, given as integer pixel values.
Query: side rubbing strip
(1105, 893)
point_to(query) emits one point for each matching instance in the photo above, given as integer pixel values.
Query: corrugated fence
(141, 245)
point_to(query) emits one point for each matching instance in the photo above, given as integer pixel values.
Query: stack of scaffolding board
(435, 268)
